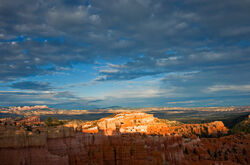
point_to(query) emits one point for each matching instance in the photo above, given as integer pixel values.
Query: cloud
(205, 83)
(95, 30)
(182, 102)
(156, 64)
(30, 85)
(133, 39)
(64, 99)
(143, 92)
(216, 88)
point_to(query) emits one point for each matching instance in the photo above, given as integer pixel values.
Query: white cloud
(182, 102)
(143, 92)
(217, 88)
(109, 71)
(166, 61)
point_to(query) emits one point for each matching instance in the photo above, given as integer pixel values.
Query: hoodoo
(133, 138)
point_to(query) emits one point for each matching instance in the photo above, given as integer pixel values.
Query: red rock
(111, 146)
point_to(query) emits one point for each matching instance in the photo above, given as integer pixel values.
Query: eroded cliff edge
(125, 138)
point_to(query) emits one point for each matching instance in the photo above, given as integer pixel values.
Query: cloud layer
(30, 85)
(195, 48)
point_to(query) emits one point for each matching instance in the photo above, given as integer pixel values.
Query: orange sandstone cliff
(126, 138)
(138, 122)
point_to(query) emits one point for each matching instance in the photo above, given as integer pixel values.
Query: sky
(87, 54)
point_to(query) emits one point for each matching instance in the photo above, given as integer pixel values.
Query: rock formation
(138, 122)
(126, 138)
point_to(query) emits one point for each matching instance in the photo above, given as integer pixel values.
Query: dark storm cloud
(32, 85)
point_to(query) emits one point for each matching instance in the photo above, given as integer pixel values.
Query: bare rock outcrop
(138, 122)
(123, 139)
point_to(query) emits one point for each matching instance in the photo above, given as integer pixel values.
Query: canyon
(45, 110)
(133, 138)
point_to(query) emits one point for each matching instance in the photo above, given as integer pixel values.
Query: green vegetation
(53, 121)
(230, 119)
(243, 126)
(170, 123)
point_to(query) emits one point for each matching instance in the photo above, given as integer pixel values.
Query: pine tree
(48, 121)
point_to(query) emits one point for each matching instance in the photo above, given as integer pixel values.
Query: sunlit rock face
(126, 123)
(213, 129)
(122, 139)
(138, 122)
